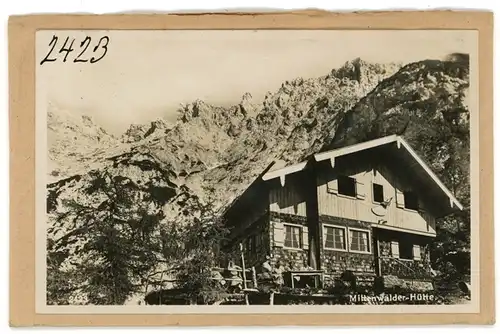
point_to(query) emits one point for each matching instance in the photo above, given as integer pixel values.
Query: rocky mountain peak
(367, 74)
(173, 172)
(138, 132)
(246, 106)
(75, 142)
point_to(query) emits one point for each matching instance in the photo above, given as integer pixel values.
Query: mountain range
(174, 171)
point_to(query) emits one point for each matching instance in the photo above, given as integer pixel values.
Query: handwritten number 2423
(99, 51)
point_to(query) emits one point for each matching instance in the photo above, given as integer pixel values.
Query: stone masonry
(290, 259)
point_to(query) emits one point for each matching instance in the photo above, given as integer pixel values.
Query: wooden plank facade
(331, 203)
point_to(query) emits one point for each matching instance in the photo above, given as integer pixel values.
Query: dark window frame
(378, 192)
(405, 249)
(411, 200)
(346, 186)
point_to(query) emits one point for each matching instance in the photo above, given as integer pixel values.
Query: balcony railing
(411, 269)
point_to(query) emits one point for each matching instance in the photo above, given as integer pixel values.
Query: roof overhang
(393, 142)
(282, 172)
(331, 155)
(410, 155)
(398, 229)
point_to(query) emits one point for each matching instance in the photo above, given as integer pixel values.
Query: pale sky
(148, 74)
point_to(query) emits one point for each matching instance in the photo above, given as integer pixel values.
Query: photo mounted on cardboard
(210, 170)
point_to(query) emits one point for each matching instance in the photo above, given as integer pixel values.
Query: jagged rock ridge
(213, 153)
(75, 143)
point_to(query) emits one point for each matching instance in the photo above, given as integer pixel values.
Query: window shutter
(279, 234)
(400, 199)
(366, 243)
(332, 187)
(305, 237)
(395, 249)
(360, 190)
(416, 252)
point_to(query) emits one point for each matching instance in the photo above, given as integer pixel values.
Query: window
(378, 193)
(335, 237)
(302, 281)
(293, 236)
(359, 241)
(347, 186)
(405, 250)
(411, 200)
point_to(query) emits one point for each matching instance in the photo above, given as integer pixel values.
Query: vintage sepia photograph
(231, 169)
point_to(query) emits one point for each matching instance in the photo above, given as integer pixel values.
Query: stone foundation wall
(262, 248)
(334, 263)
(324, 219)
(385, 248)
(290, 259)
(256, 243)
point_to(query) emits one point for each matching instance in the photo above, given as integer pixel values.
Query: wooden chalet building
(369, 209)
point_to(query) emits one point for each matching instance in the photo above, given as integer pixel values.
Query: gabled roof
(394, 143)
(356, 148)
